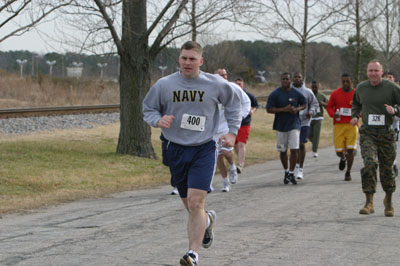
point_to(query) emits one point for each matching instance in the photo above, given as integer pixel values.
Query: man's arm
(314, 105)
(356, 109)
(331, 105)
(151, 107)
(230, 99)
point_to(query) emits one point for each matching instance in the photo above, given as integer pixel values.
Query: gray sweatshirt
(245, 110)
(194, 104)
(311, 105)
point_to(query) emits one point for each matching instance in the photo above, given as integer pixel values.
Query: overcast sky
(36, 41)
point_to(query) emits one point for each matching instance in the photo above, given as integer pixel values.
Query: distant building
(74, 72)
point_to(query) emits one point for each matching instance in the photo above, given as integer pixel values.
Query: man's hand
(165, 121)
(309, 115)
(228, 140)
(287, 108)
(354, 121)
(293, 110)
(390, 109)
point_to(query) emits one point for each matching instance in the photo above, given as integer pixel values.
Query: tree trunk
(135, 134)
(303, 59)
(358, 45)
(194, 22)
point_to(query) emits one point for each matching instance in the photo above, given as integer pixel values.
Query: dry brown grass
(44, 91)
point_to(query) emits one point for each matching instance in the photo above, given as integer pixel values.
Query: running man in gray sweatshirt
(305, 118)
(185, 106)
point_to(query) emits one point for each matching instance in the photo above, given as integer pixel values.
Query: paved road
(260, 222)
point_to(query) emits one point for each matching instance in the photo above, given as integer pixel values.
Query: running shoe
(174, 191)
(342, 164)
(188, 259)
(285, 178)
(209, 234)
(292, 179)
(226, 187)
(239, 169)
(299, 174)
(347, 176)
(233, 176)
(395, 170)
(314, 155)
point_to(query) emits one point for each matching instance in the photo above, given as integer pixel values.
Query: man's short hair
(189, 45)
(374, 61)
(387, 73)
(238, 78)
(286, 73)
(346, 75)
(298, 73)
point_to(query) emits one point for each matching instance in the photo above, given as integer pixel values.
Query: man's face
(346, 83)
(190, 62)
(223, 73)
(240, 83)
(314, 87)
(389, 77)
(297, 80)
(374, 73)
(285, 81)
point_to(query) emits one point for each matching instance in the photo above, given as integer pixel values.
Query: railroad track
(55, 111)
(67, 110)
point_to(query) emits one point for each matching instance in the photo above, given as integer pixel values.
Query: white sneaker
(174, 191)
(314, 155)
(299, 174)
(226, 187)
(233, 176)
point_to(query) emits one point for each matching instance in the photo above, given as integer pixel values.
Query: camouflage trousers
(377, 148)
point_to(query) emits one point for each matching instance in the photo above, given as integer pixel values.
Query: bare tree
(385, 30)
(305, 21)
(224, 55)
(100, 23)
(323, 56)
(358, 16)
(20, 16)
(205, 14)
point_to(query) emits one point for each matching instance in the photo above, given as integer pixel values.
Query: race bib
(345, 111)
(318, 109)
(193, 122)
(376, 120)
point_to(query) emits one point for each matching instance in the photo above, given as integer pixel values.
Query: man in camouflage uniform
(376, 101)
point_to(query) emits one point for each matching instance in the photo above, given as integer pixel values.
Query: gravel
(33, 124)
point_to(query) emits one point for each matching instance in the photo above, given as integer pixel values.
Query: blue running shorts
(191, 166)
(304, 131)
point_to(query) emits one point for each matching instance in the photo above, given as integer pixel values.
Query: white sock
(232, 166)
(286, 170)
(297, 165)
(195, 255)
(208, 220)
(226, 181)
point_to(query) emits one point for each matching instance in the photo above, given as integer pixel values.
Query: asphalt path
(260, 222)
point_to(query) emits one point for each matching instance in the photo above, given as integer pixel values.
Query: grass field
(48, 168)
